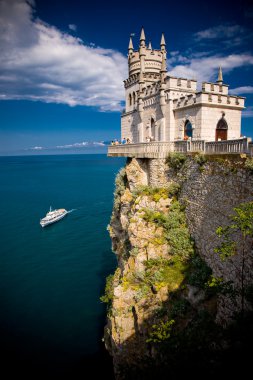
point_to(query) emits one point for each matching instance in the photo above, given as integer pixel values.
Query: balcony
(162, 149)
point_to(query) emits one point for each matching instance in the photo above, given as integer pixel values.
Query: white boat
(53, 216)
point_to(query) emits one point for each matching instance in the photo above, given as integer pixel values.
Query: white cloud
(37, 148)
(39, 62)
(83, 144)
(219, 32)
(242, 90)
(205, 68)
(73, 27)
(75, 145)
(248, 112)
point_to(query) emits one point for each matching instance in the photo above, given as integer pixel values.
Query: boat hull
(54, 220)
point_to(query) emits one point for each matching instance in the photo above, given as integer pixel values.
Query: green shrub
(200, 272)
(180, 241)
(200, 159)
(161, 332)
(165, 272)
(152, 216)
(249, 164)
(173, 189)
(176, 160)
(156, 193)
(175, 229)
(180, 308)
(142, 292)
(134, 251)
(120, 187)
(108, 296)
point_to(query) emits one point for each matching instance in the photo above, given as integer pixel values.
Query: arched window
(130, 99)
(152, 129)
(221, 129)
(134, 98)
(187, 130)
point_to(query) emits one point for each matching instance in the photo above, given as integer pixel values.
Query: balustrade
(162, 149)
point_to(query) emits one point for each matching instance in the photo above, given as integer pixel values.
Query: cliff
(178, 287)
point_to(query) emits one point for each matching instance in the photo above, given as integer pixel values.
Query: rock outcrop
(170, 281)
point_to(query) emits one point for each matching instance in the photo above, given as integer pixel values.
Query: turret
(162, 86)
(220, 78)
(142, 51)
(163, 45)
(130, 47)
(142, 38)
(163, 69)
(146, 59)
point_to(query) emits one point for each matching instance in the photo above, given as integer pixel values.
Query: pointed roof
(130, 46)
(162, 43)
(220, 77)
(149, 46)
(142, 37)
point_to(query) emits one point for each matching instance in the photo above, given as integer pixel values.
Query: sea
(51, 279)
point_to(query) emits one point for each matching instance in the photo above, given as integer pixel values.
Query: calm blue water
(51, 279)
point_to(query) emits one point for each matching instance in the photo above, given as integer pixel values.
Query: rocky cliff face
(170, 284)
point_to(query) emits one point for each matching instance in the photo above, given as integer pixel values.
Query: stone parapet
(162, 149)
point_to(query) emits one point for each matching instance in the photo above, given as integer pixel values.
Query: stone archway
(221, 132)
(187, 121)
(188, 130)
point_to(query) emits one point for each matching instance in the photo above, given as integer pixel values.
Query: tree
(237, 240)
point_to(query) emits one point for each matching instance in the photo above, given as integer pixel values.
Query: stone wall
(210, 193)
(210, 196)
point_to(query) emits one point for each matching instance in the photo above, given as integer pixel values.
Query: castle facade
(160, 107)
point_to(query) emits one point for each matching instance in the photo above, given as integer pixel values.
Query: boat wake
(73, 209)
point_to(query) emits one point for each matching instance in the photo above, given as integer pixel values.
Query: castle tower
(220, 77)
(145, 58)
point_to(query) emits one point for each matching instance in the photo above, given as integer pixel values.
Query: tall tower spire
(130, 46)
(220, 77)
(162, 43)
(142, 38)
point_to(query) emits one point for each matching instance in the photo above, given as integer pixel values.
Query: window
(187, 130)
(130, 99)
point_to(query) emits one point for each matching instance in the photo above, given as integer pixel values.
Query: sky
(63, 62)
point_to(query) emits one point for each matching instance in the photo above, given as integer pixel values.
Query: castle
(163, 108)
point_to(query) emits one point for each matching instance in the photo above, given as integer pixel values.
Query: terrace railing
(142, 150)
(162, 149)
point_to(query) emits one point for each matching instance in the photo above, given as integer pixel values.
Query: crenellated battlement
(209, 98)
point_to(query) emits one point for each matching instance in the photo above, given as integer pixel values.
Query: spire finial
(149, 45)
(142, 37)
(220, 77)
(162, 43)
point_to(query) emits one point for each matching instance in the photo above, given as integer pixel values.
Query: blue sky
(63, 63)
